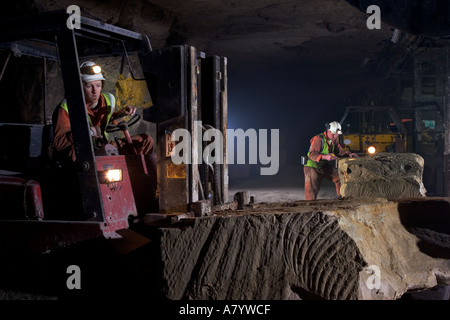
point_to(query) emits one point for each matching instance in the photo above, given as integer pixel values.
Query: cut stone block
(385, 175)
(242, 198)
(368, 249)
(201, 208)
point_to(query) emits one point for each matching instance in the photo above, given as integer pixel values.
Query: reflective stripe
(110, 103)
(324, 150)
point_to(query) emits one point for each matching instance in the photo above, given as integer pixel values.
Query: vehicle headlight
(110, 176)
(114, 175)
(371, 150)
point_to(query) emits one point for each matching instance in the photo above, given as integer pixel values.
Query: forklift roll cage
(46, 35)
(67, 47)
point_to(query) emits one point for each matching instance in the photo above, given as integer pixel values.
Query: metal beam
(447, 130)
(107, 30)
(85, 161)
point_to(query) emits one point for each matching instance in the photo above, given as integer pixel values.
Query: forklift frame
(46, 35)
(42, 28)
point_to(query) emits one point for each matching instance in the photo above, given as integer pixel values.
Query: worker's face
(331, 135)
(92, 91)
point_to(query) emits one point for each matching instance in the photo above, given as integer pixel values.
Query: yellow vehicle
(369, 129)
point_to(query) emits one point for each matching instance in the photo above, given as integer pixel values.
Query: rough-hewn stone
(309, 250)
(386, 175)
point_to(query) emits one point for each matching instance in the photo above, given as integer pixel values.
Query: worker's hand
(129, 110)
(353, 155)
(96, 132)
(328, 157)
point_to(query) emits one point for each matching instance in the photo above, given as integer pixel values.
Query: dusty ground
(279, 194)
(280, 189)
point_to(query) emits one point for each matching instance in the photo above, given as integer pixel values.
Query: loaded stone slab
(365, 248)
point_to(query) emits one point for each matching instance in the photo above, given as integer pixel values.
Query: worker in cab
(100, 108)
(321, 161)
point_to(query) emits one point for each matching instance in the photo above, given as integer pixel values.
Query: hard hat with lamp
(91, 72)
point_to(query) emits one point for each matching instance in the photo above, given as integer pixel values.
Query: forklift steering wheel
(117, 127)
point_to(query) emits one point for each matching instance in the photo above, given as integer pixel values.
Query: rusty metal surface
(117, 198)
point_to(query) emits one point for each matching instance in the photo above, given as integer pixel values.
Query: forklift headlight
(114, 175)
(110, 176)
(371, 150)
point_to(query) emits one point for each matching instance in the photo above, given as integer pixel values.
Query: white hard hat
(90, 72)
(335, 127)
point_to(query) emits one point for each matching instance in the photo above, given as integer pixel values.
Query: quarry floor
(284, 187)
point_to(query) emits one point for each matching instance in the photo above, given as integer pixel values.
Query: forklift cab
(184, 87)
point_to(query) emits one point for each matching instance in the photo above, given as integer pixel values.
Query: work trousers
(314, 177)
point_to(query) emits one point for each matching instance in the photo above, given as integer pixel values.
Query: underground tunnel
(231, 94)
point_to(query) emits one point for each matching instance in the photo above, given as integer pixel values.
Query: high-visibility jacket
(110, 104)
(324, 150)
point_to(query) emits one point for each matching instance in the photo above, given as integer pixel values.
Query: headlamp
(96, 69)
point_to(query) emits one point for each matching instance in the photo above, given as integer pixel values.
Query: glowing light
(96, 69)
(371, 150)
(114, 175)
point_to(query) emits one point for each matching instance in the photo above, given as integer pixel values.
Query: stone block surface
(385, 175)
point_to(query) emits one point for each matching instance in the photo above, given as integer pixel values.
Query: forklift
(373, 129)
(185, 87)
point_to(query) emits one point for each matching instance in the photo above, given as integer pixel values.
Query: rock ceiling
(320, 39)
(260, 31)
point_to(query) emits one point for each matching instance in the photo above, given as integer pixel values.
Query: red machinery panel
(117, 197)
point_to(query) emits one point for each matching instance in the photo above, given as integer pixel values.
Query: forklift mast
(190, 88)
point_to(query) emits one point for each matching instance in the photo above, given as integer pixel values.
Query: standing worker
(323, 151)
